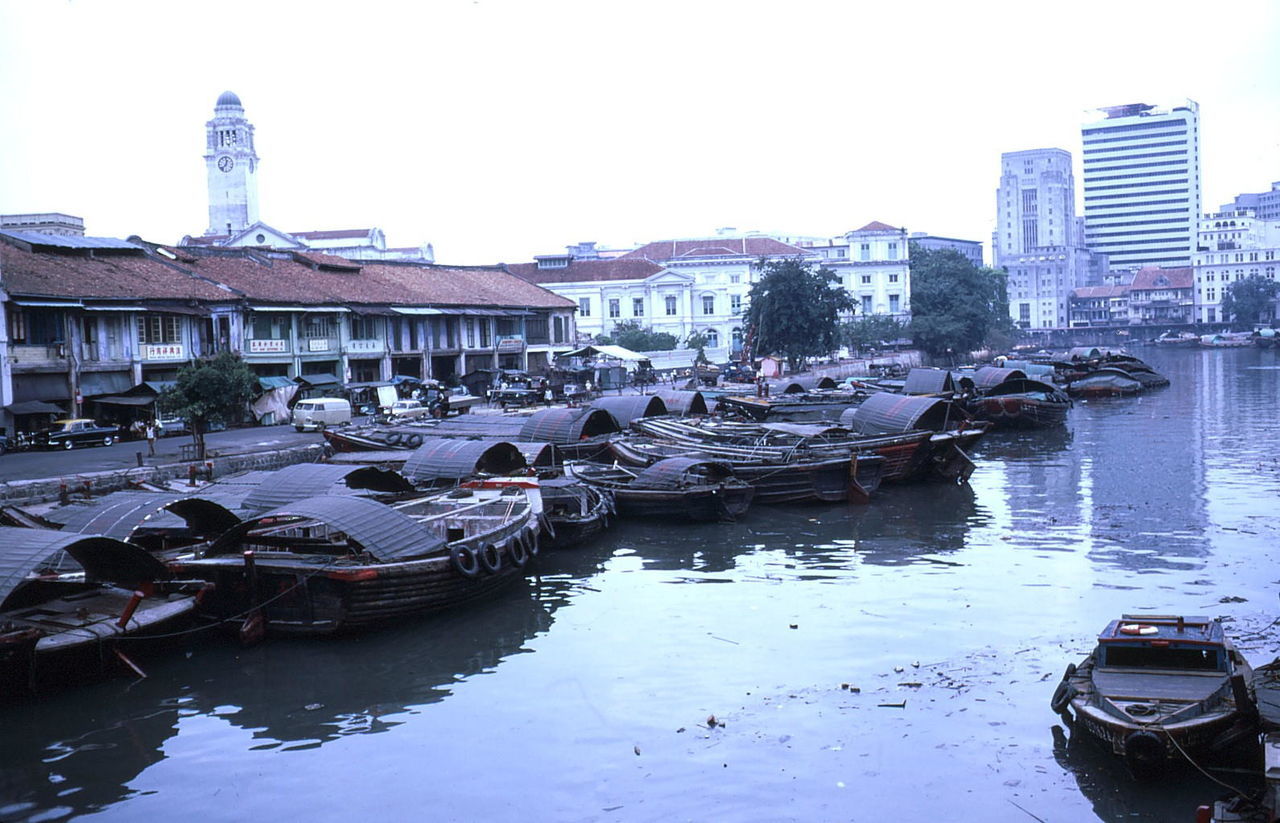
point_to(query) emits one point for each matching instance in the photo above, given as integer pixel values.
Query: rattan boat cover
(928, 381)
(989, 376)
(673, 473)
(313, 479)
(23, 551)
(120, 514)
(683, 403)
(885, 413)
(558, 425)
(384, 532)
(444, 459)
(626, 408)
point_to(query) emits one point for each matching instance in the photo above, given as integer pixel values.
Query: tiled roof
(116, 276)
(1086, 292)
(583, 271)
(1145, 279)
(876, 225)
(666, 250)
(308, 278)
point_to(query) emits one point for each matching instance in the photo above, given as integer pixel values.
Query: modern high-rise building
(1037, 238)
(1142, 185)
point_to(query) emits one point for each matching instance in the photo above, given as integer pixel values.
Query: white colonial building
(231, 166)
(874, 266)
(675, 286)
(1231, 246)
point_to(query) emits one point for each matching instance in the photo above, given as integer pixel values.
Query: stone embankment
(95, 484)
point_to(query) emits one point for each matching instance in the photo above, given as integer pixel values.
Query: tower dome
(228, 98)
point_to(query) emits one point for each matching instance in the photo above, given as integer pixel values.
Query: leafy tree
(795, 310)
(1249, 300)
(214, 390)
(956, 306)
(631, 335)
(871, 330)
(698, 340)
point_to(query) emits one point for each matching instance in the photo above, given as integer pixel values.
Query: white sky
(500, 130)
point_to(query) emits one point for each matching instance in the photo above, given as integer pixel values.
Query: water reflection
(1116, 795)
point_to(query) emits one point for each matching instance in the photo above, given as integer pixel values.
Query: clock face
(226, 163)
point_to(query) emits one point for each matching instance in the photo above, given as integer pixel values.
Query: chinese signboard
(162, 351)
(364, 345)
(268, 346)
(319, 344)
(510, 344)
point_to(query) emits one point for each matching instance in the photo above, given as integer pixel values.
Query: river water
(886, 662)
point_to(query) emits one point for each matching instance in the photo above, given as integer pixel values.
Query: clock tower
(232, 167)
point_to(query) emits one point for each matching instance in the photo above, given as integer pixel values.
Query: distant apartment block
(1037, 238)
(1264, 205)
(1142, 185)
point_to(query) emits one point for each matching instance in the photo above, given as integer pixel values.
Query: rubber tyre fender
(393, 439)
(531, 542)
(490, 558)
(1145, 753)
(464, 560)
(412, 440)
(1065, 693)
(517, 551)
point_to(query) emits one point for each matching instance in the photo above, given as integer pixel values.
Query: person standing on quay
(151, 437)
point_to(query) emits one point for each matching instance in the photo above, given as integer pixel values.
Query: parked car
(172, 425)
(402, 410)
(77, 431)
(318, 413)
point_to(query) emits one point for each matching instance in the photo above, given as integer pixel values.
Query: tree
(698, 340)
(795, 310)
(630, 335)
(870, 330)
(1250, 300)
(956, 306)
(214, 390)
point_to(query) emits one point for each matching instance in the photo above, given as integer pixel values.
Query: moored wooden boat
(1007, 398)
(685, 488)
(575, 512)
(1104, 382)
(1157, 686)
(76, 607)
(329, 564)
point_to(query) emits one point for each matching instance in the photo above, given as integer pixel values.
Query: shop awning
(94, 383)
(49, 304)
(125, 399)
(34, 407)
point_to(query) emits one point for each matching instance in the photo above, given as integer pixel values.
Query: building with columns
(1037, 240)
(874, 266)
(231, 167)
(1231, 246)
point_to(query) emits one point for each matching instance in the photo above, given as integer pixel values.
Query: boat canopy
(311, 479)
(683, 403)
(989, 376)
(495, 426)
(24, 551)
(440, 458)
(384, 532)
(806, 429)
(803, 383)
(675, 473)
(121, 514)
(627, 408)
(928, 381)
(1022, 386)
(567, 425)
(885, 413)
(538, 454)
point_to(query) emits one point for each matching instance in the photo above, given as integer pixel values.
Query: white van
(319, 413)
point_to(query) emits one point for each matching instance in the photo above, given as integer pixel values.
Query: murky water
(887, 662)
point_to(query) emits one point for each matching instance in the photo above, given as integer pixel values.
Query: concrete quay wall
(95, 484)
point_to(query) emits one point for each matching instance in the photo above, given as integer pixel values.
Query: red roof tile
(1145, 279)
(335, 234)
(1085, 292)
(667, 250)
(876, 225)
(116, 276)
(582, 271)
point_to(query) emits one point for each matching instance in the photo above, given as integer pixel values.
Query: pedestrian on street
(547, 394)
(151, 437)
